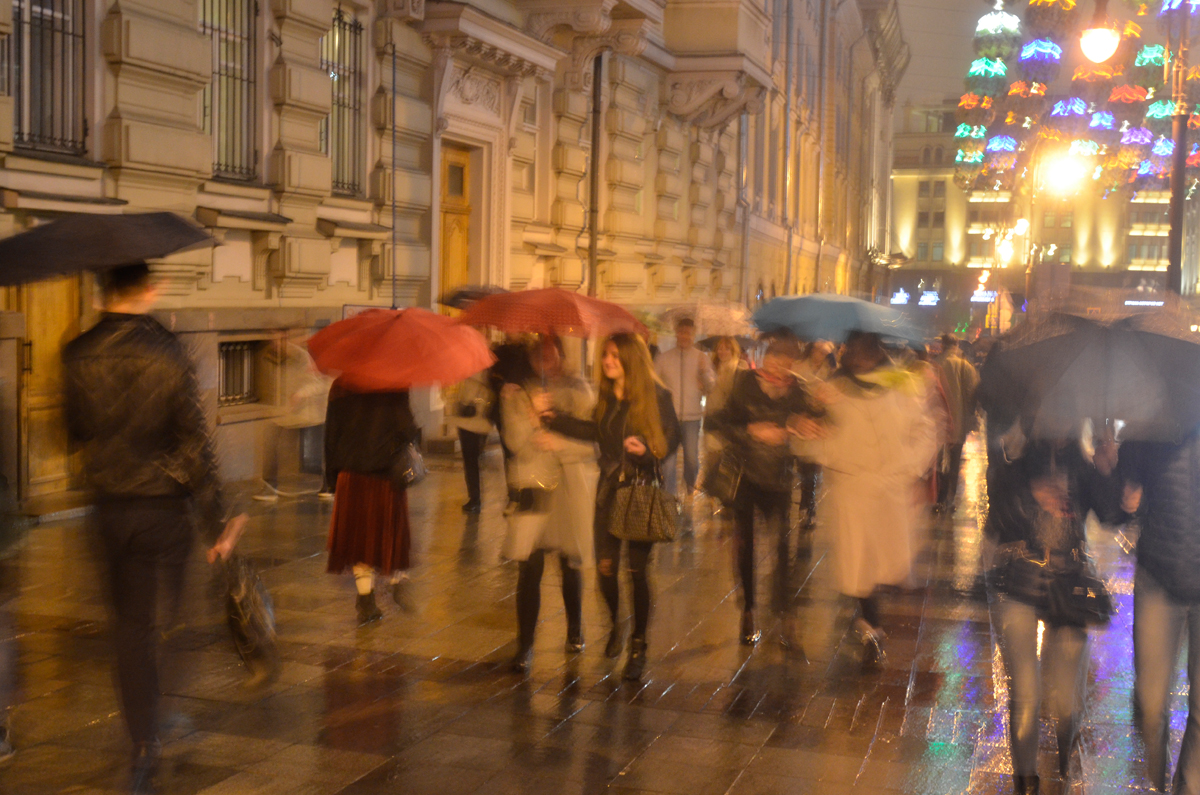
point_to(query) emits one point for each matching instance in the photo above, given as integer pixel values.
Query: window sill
(52, 163)
(250, 412)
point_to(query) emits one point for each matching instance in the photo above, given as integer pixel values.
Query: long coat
(881, 442)
(569, 474)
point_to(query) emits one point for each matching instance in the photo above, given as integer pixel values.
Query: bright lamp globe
(1099, 44)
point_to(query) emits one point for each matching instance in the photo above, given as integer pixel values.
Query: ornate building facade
(359, 153)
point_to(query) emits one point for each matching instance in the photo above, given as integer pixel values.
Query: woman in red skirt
(365, 437)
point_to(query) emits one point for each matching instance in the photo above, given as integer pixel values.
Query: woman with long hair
(635, 427)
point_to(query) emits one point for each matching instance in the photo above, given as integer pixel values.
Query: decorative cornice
(590, 17)
(624, 37)
(709, 99)
(489, 56)
(487, 42)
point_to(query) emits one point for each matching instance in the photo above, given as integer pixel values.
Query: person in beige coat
(875, 445)
(554, 478)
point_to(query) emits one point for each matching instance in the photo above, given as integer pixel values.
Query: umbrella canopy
(1057, 370)
(551, 310)
(823, 316)
(387, 350)
(86, 242)
(463, 297)
(712, 319)
(710, 343)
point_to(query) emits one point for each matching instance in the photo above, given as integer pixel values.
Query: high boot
(1026, 785)
(636, 665)
(368, 611)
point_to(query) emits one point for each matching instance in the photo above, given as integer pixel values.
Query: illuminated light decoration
(1069, 107)
(982, 296)
(1089, 73)
(1002, 143)
(1138, 136)
(1174, 5)
(1134, 302)
(1042, 50)
(987, 67)
(1163, 109)
(1065, 5)
(900, 297)
(968, 157)
(1084, 148)
(1019, 89)
(928, 298)
(1148, 169)
(1103, 120)
(1163, 147)
(1194, 121)
(969, 101)
(998, 22)
(1193, 160)
(1128, 94)
(1151, 55)
(971, 131)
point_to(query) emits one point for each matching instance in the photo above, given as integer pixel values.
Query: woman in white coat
(554, 478)
(876, 445)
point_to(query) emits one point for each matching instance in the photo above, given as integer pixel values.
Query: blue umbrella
(823, 316)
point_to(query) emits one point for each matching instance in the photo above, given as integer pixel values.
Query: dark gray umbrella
(462, 297)
(86, 242)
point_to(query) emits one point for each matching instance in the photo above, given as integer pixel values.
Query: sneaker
(325, 496)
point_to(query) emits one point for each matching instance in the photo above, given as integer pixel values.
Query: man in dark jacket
(133, 408)
(1163, 487)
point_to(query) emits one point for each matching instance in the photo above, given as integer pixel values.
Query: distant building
(949, 237)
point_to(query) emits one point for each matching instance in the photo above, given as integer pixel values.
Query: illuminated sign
(1144, 303)
(928, 298)
(900, 297)
(983, 296)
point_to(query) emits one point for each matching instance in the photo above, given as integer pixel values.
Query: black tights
(608, 563)
(529, 595)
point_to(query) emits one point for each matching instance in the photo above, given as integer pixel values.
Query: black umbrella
(1143, 370)
(462, 297)
(86, 242)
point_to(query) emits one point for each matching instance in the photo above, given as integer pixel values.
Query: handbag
(250, 614)
(642, 510)
(721, 480)
(409, 469)
(1079, 598)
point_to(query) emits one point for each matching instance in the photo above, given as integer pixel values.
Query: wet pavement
(424, 702)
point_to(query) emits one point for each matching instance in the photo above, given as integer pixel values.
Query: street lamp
(1101, 39)
(1090, 41)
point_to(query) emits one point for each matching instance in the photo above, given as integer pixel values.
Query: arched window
(937, 156)
(926, 155)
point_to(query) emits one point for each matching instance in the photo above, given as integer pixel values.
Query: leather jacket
(133, 406)
(1169, 543)
(366, 432)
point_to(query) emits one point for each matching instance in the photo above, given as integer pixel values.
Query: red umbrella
(384, 350)
(551, 310)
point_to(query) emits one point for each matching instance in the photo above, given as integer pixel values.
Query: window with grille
(237, 376)
(342, 130)
(231, 98)
(46, 63)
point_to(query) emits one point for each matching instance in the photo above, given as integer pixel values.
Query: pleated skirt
(369, 525)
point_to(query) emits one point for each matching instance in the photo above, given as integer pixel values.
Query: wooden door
(455, 220)
(52, 316)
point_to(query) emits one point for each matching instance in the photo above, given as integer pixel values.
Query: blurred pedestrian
(367, 441)
(879, 442)
(635, 428)
(1160, 487)
(511, 367)
(959, 381)
(688, 375)
(813, 369)
(555, 477)
(727, 362)
(473, 409)
(754, 425)
(1040, 499)
(133, 407)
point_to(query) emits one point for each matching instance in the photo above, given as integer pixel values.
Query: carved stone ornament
(625, 37)
(588, 19)
(403, 10)
(489, 56)
(473, 88)
(709, 99)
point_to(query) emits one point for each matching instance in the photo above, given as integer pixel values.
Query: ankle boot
(1026, 785)
(636, 665)
(616, 641)
(750, 634)
(368, 611)
(146, 757)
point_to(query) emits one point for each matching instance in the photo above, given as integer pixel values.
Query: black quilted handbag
(642, 510)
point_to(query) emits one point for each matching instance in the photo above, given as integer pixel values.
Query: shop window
(937, 252)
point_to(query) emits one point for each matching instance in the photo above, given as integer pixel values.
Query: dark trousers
(775, 506)
(472, 448)
(143, 540)
(810, 475)
(948, 482)
(8, 638)
(1159, 625)
(529, 595)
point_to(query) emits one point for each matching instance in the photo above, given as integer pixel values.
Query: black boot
(146, 757)
(1026, 785)
(750, 634)
(522, 661)
(636, 665)
(368, 611)
(616, 642)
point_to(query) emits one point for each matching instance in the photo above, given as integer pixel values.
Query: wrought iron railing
(342, 131)
(237, 381)
(46, 64)
(231, 99)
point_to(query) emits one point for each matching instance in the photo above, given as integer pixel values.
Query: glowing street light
(1064, 174)
(1021, 226)
(1101, 39)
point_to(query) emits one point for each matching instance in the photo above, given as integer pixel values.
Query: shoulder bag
(722, 479)
(642, 510)
(409, 469)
